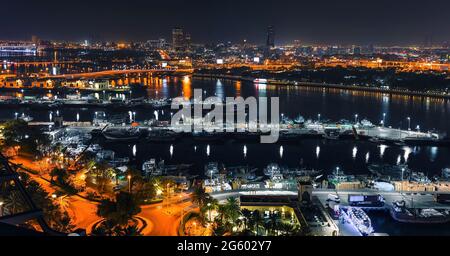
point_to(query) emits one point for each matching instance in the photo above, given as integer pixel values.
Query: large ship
(124, 134)
(401, 213)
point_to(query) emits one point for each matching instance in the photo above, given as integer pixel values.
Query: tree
(199, 196)
(14, 202)
(257, 220)
(120, 211)
(131, 231)
(144, 190)
(288, 229)
(19, 133)
(63, 223)
(233, 210)
(247, 215)
(103, 174)
(210, 205)
(60, 174)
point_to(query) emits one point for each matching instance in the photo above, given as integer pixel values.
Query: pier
(287, 133)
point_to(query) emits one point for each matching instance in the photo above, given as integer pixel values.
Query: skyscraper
(177, 39)
(187, 41)
(270, 42)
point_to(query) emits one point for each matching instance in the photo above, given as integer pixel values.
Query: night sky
(394, 22)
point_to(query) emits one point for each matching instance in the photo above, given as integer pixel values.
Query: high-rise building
(187, 41)
(356, 50)
(270, 42)
(178, 39)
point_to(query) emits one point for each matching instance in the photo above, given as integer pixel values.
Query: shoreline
(269, 82)
(325, 85)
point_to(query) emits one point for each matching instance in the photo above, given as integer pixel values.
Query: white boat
(299, 120)
(360, 220)
(446, 173)
(272, 170)
(150, 168)
(419, 177)
(366, 124)
(25, 118)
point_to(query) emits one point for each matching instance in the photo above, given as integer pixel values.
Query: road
(162, 219)
(81, 211)
(166, 216)
(116, 72)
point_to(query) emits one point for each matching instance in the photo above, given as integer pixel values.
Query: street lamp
(129, 183)
(384, 118)
(409, 123)
(54, 196)
(356, 118)
(318, 117)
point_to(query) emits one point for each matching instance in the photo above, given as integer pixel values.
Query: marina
(356, 156)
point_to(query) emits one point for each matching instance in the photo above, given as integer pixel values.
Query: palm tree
(131, 231)
(257, 220)
(14, 202)
(233, 211)
(273, 221)
(199, 196)
(247, 215)
(63, 223)
(103, 173)
(287, 229)
(64, 202)
(210, 204)
(119, 211)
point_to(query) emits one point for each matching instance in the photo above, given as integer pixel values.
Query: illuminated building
(178, 39)
(270, 41)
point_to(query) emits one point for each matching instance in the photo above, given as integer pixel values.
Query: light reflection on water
(333, 104)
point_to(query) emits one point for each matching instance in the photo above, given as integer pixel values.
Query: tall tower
(177, 39)
(187, 41)
(270, 42)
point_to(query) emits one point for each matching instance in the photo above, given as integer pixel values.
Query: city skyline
(383, 23)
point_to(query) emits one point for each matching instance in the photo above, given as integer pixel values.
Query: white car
(333, 197)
